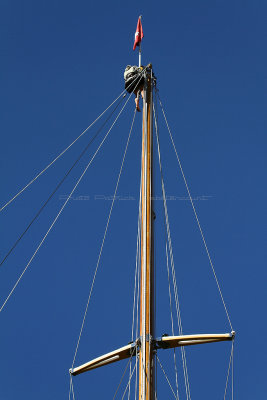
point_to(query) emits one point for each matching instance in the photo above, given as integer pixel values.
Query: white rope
(60, 211)
(104, 237)
(177, 304)
(61, 154)
(197, 219)
(167, 379)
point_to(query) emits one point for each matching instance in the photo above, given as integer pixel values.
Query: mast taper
(147, 344)
(146, 354)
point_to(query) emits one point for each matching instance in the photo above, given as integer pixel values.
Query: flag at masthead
(138, 38)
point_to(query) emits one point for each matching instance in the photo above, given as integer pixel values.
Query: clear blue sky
(62, 63)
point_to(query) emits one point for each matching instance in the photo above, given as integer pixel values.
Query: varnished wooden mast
(145, 346)
(146, 365)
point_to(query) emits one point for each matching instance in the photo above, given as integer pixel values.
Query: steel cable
(172, 266)
(168, 274)
(167, 379)
(124, 372)
(228, 371)
(58, 185)
(128, 383)
(70, 145)
(69, 196)
(196, 216)
(103, 240)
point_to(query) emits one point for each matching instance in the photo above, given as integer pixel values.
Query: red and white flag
(138, 34)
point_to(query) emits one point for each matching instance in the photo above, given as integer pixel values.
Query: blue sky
(62, 64)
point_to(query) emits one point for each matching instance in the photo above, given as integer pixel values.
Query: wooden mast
(147, 344)
(146, 354)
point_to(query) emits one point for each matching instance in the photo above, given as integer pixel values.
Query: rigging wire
(231, 362)
(62, 208)
(59, 184)
(58, 156)
(156, 385)
(104, 237)
(167, 379)
(172, 323)
(138, 299)
(137, 308)
(70, 386)
(233, 373)
(71, 389)
(123, 93)
(73, 396)
(136, 264)
(136, 380)
(196, 216)
(167, 226)
(128, 383)
(155, 111)
(136, 279)
(124, 372)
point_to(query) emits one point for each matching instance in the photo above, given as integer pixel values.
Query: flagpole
(140, 52)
